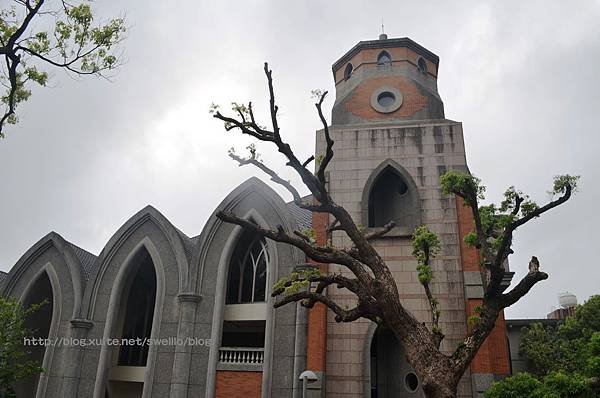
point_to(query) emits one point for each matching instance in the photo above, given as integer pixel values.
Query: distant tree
(38, 34)
(372, 283)
(15, 363)
(565, 360)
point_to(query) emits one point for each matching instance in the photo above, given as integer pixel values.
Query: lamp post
(308, 376)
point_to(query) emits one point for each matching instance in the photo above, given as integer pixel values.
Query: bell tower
(392, 144)
(386, 80)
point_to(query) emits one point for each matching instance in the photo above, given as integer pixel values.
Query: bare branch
(497, 271)
(381, 231)
(274, 176)
(329, 149)
(321, 254)
(308, 299)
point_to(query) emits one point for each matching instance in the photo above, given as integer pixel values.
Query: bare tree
(372, 282)
(35, 34)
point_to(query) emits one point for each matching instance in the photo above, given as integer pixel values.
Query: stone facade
(89, 292)
(388, 120)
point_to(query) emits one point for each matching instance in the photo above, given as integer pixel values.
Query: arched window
(39, 323)
(139, 311)
(384, 58)
(422, 65)
(391, 374)
(247, 280)
(348, 71)
(390, 194)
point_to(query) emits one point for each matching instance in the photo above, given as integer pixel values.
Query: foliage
(565, 360)
(14, 362)
(567, 348)
(426, 245)
(454, 181)
(554, 385)
(37, 34)
(297, 281)
(494, 219)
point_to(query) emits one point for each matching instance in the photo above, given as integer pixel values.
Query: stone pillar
(183, 352)
(73, 357)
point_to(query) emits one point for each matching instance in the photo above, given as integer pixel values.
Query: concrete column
(73, 357)
(183, 352)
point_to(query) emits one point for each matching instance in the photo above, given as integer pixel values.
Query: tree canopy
(565, 360)
(37, 35)
(15, 363)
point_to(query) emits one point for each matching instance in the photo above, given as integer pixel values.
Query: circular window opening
(386, 99)
(422, 65)
(411, 381)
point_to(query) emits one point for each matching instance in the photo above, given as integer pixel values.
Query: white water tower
(567, 300)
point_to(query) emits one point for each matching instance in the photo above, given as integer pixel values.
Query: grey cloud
(521, 76)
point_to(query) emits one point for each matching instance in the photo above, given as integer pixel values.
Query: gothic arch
(21, 273)
(400, 372)
(126, 236)
(254, 200)
(410, 212)
(384, 58)
(273, 204)
(48, 273)
(111, 326)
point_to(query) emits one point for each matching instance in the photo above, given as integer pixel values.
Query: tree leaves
(73, 43)
(15, 363)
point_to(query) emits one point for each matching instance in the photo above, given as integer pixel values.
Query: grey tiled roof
(303, 217)
(188, 243)
(2, 277)
(86, 259)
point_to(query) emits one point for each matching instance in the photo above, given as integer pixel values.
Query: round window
(411, 381)
(386, 99)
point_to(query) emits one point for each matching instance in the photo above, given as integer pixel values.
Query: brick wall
(493, 356)
(360, 103)
(232, 384)
(317, 316)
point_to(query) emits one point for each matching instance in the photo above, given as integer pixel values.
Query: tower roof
(386, 43)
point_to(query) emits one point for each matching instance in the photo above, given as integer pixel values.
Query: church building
(159, 314)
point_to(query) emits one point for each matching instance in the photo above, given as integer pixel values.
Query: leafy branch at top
(73, 43)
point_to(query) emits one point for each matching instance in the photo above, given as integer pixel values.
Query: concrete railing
(241, 355)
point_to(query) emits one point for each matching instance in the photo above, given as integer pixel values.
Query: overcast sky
(522, 77)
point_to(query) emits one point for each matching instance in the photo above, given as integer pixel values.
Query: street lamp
(308, 376)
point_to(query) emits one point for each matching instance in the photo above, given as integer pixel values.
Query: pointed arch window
(390, 194)
(247, 279)
(422, 65)
(39, 323)
(139, 312)
(384, 58)
(348, 71)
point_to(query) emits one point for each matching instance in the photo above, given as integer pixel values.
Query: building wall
(425, 150)
(238, 384)
(89, 297)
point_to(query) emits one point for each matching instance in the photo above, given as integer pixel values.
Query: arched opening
(39, 323)
(391, 198)
(244, 319)
(391, 374)
(247, 277)
(348, 71)
(422, 65)
(384, 58)
(134, 329)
